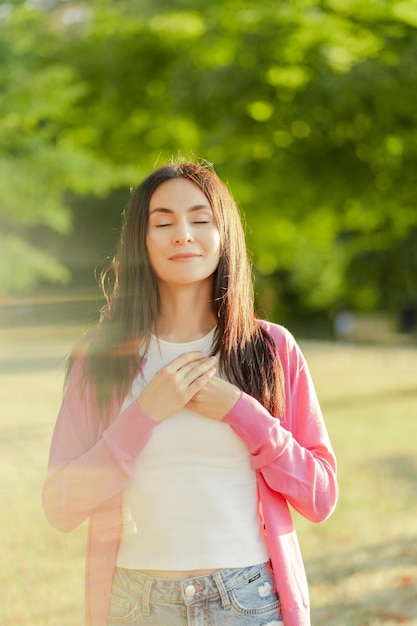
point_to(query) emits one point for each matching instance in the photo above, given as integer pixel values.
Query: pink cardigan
(294, 462)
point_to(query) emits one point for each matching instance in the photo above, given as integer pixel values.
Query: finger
(184, 359)
(192, 371)
(200, 382)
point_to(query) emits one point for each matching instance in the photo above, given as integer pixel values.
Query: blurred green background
(306, 108)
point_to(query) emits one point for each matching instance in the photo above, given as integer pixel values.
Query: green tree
(39, 161)
(305, 108)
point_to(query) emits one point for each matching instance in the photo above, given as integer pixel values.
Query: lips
(184, 256)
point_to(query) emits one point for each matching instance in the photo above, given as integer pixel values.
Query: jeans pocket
(124, 606)
(256, 596)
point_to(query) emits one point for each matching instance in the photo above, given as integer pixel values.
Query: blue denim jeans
(228, 597)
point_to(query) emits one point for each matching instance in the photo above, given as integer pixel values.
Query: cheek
(152, 251)
(153, 245)
(150, 242)
(218, 253)
(216, 243)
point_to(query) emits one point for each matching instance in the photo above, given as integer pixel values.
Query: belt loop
(146, 595)
(222, 590)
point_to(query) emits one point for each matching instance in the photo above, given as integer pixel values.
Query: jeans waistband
(188, 590)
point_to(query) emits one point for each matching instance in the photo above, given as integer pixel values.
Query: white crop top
(191, 502)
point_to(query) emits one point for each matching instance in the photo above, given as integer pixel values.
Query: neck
(185, 313)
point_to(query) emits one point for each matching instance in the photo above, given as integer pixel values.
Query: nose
(182, 234)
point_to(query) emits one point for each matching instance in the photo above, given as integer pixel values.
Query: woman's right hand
(175, 384)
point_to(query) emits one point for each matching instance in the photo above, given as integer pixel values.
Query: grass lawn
(362, 563)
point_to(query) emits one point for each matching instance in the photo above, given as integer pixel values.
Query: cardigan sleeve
(86, 469)
(297, 459)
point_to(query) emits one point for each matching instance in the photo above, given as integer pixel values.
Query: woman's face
(183, 241)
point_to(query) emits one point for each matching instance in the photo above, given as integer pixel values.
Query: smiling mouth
(184, 257)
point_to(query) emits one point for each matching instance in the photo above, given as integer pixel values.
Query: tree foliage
(305, 108)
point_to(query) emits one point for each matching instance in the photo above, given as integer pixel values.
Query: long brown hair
(246, 352)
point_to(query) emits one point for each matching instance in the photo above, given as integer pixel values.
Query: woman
(187, 426)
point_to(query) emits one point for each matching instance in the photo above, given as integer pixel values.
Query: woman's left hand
(215, 399)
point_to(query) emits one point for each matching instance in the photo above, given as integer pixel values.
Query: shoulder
(76, 362)
(288, 350)
(280, 335)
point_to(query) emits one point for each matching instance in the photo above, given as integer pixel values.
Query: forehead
(177, 194)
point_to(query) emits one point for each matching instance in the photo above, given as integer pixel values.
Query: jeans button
(190, 591)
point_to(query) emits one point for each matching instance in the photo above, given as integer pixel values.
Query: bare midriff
(174, 574)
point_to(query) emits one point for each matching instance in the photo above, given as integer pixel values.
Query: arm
(86, 468)
(296, 460)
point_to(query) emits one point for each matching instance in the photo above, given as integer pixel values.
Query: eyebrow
(196, 207)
